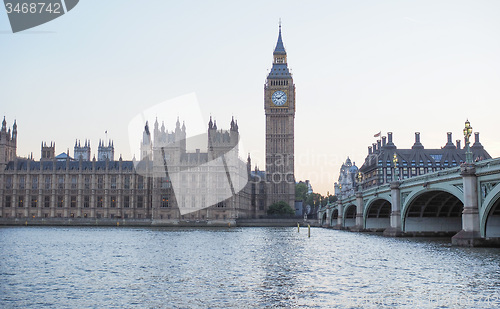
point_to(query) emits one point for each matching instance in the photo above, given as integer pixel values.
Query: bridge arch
(334, 217)
(324, 219)
(430, 211)
(490, 214)
(349, 215)
(377, 214)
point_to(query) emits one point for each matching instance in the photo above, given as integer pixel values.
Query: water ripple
(53, 267)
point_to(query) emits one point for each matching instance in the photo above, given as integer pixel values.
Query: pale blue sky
(359, 67)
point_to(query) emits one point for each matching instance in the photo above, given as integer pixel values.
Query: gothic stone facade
(98, 189)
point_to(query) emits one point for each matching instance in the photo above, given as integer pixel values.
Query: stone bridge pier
(395, 230)
(470, 235)
(340, 218)
(360, 226)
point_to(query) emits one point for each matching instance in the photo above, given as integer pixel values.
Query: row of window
(406, 173)
(165, 201)
(85, 215)
(46, 202)
(98, 215)
(60, 182)
(421, 163)
(279, 82)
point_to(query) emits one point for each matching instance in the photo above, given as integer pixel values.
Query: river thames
(61, 267)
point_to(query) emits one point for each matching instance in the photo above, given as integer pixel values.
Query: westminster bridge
(461, 201)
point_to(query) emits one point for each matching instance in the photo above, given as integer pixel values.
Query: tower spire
(280, 48)
(280, 67)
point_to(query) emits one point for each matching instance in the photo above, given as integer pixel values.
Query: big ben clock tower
(279, 105)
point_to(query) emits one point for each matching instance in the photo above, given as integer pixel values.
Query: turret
(48, 152)
(249, 165)
(104, 152)
(146, 136)
(4, 125)
(14, 131)
(8, 143)
(82, 152)
(210, 123)
(221, 141)
(233, 125)
(156, 132)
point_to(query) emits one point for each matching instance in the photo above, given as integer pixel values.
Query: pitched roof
(279, 70)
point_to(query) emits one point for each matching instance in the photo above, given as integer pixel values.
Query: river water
(60, 267)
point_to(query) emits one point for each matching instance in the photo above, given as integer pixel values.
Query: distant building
(309, 187)
(346, 185)
(378, 167)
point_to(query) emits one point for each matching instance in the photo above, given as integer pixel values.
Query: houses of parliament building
(106, 188)
(189, 187)
(168, 184)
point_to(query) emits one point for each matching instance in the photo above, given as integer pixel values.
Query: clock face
(279, 98)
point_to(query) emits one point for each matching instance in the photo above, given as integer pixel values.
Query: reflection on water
(57, 267)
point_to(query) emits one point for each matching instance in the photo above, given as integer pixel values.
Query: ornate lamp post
(467, 135)
(396, 170)
(359, 179)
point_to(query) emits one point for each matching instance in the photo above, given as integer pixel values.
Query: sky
(359, 67)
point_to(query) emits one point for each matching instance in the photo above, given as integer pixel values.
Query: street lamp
(467, 135)
(396, 170)
(359, 179)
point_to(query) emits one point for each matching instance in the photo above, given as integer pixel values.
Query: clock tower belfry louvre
(279, 105)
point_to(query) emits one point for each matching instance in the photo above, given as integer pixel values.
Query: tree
(310, 200)
(324, 200)
(301, 191)
(280, 208)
